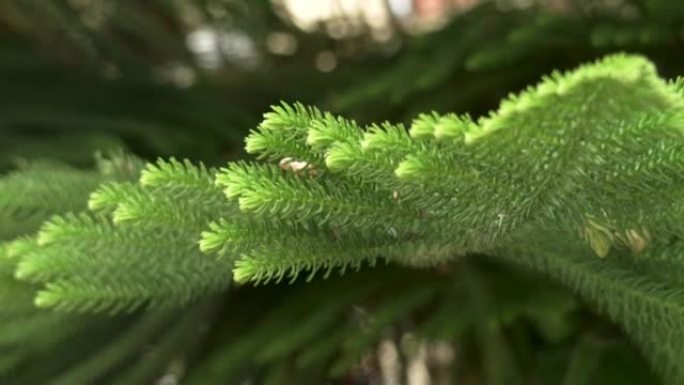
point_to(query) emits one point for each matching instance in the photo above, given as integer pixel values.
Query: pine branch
(586, 160)
(594, 152)
(139, 249)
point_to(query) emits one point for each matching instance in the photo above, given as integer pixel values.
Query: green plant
(576, 178)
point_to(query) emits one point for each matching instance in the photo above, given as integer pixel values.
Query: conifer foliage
(574, 177)
(577, 178)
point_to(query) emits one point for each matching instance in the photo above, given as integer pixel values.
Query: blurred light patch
(340, 19)
(177, 74)
(204, 44)
(378, 19)
(417, 372)
(281, 43)
(326, 61)
(401, 8)
(390, 362)
(212, 48)
(239, 48)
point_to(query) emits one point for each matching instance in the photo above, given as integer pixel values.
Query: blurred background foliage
(189, 78)
(157, 75)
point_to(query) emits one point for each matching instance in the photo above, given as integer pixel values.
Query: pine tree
(539, 242)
